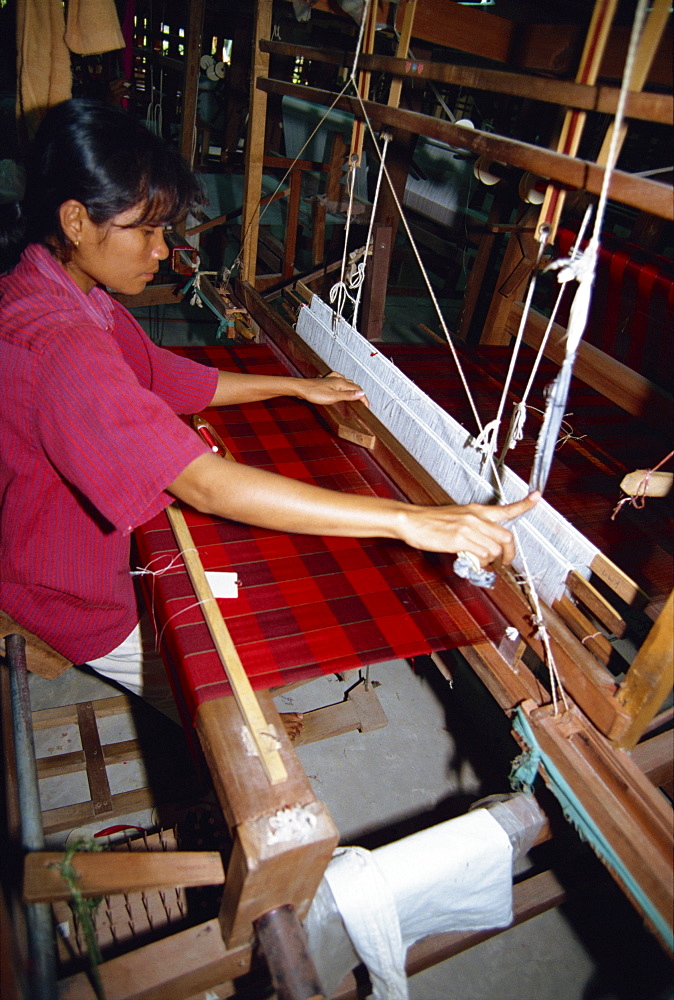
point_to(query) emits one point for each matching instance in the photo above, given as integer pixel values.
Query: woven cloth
(307, 605)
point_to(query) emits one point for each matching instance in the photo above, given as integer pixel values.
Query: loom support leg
(42, 955)
(283, 941)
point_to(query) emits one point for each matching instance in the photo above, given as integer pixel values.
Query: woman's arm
(235, 387)
(254, 496)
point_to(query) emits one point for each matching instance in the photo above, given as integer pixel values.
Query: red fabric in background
(307, 605)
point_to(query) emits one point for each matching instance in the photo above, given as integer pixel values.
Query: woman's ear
(73, 217)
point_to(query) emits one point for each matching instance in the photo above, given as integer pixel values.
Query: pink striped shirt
(90, 441)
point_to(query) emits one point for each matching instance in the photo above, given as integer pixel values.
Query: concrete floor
(419, 770)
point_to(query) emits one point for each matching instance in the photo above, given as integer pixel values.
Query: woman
(92, 444)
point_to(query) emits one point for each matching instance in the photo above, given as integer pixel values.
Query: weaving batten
(443, 447)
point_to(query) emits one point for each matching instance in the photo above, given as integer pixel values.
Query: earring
(76, 243)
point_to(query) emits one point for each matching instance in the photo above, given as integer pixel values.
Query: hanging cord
(385, 138)
(516, 429)
(339, 290)
(487, 440)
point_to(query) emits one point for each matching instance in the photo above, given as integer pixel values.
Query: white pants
(137, 666)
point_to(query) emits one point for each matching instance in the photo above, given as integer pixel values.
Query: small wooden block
(361, 711)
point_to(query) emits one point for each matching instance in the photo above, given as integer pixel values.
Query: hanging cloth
(93, 26)
(43, 60)
(44, 44)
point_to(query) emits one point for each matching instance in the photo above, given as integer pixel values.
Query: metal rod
(284, 944)
(42, 949)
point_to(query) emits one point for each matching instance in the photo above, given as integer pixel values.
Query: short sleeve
(185, 385)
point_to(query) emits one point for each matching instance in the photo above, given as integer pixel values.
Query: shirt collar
(97, 305)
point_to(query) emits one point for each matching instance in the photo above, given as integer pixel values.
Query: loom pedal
(361, 711)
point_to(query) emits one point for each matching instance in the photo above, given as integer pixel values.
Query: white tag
(223, 584)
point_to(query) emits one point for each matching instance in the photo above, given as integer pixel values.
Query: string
(638, 499)
(516, 430)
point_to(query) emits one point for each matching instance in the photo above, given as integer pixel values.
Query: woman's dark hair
(104, 158)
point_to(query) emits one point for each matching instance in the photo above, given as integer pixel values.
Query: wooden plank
(632, 392)
(602, 609)
(650, 677)
(375, 285)
(171, 969)
(261, 731)
(283, 837)
(651, 36)
(363, 81)
(656, 759)
(631, 814)
(628, 189)
(292, 223)
(99, 787)
(409, 10)
(108, 872)
(66, 715)
(591, 637)
(361, 711)
(81, 813)
(649, 106)
(153, 295)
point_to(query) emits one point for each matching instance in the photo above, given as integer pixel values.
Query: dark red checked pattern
(307, 605)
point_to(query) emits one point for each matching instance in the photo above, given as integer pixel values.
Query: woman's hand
(333, 388)
(474, 528)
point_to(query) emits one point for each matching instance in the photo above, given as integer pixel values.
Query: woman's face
(117, 254)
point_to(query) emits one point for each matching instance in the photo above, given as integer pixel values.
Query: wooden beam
(182, 965)
(631, 815)
(110, 872)
(195, 30)
(651, 107)
(574, 120)
(634, 393)
(629, 189)
(257, 114)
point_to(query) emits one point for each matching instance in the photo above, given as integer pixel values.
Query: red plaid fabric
(584, 483)
(307, 605)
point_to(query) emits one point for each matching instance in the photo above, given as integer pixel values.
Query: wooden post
(195, 30)
(574, 120)
(376, 279)
(257, 115)
(650, 676)
(292, 222)
(358, 132)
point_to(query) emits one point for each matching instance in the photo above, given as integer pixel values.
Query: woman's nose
(160, 249)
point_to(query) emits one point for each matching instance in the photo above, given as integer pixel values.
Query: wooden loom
(589, 744)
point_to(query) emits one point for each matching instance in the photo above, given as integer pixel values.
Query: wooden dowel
(264, 740)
